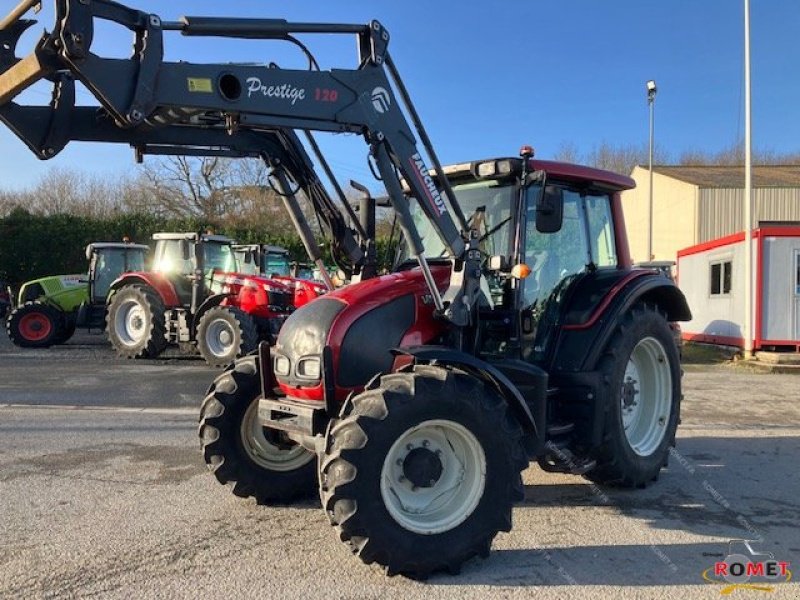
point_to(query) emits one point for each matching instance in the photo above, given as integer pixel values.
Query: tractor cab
(543, 226)
(181, 257)
(262, 259)
(107, 261)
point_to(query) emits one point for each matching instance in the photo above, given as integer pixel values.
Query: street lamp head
(651, 89)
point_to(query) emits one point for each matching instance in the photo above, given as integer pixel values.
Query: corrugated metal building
(697, 204)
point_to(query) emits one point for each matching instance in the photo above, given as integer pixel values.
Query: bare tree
(235, 193)
(568, 152)
(733, 155)
(620, 158)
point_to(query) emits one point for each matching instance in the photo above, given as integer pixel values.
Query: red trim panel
(718, 243)
(601, 308)
(759, 317)
(782, 231)
(779, 231)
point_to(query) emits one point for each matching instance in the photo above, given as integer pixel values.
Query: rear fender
(581, 344)
(524, 386)
(157, 281)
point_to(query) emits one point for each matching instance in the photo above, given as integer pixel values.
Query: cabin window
(721, 275)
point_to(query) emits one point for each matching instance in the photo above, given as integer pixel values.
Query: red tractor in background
(193, 296)
(273, 262)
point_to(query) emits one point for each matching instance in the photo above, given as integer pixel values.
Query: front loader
(513, 330)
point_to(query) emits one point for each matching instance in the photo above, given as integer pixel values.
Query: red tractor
(193, 296)
(273, 262)
(513, 330)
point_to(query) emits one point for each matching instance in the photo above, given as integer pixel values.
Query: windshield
(219, 257)
(276, 264)
(497, 200)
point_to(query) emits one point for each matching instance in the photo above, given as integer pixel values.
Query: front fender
(524, 386)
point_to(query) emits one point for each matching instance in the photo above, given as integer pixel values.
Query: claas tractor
(273, 262)
(48, 310)
(194, 297)
(512, 331)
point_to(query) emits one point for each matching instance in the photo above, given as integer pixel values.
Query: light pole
(651, 102)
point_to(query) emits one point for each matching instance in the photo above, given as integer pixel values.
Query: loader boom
(144, 97)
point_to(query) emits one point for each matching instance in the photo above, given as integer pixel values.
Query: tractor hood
(65, 291)
(361, 323)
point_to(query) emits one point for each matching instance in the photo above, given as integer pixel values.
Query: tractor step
(562, 460)
(559, 429)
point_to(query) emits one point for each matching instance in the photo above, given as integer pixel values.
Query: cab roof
(193, 237)
(119, 245)
(561, 171)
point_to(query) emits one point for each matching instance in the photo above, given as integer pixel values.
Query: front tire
(34, 325)
(135, 322)
(421, 470)
(224, 334)
(642, 377)
(257, 462)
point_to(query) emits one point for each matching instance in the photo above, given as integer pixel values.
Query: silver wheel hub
(129, 322)
(219, 338)
(433, 477)
(646, 396)
(264, 453)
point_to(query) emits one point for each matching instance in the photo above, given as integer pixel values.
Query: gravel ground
(104, 494)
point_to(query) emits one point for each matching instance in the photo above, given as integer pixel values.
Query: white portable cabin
(711, 275)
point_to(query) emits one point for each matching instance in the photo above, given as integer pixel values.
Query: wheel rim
(130, 322)
(646, 397)
(264, 453)
(35, 326)
(220, 337)
(452, 460)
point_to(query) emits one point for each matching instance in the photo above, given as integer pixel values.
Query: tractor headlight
(308, 368)
(282, 365)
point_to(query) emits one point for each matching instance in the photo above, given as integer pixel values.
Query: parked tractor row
(193, 296)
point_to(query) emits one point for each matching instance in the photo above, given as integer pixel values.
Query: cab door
(584, 244)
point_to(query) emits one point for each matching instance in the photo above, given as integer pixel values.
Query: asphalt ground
(103, 493)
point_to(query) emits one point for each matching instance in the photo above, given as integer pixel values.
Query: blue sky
(488, 77)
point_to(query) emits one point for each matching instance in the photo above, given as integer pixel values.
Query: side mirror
(186, 251)
(550, 210)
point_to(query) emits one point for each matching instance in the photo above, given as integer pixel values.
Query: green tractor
(48, 310)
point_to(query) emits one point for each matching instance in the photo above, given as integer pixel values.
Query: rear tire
(135, 322)
(642, 377)
(34, 325)
(224, 334)
(421, 470)
(256, 462)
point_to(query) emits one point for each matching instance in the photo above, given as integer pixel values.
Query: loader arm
(144, 93)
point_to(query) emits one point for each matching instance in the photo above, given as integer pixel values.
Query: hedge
(33, 246)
